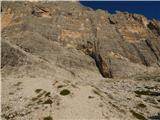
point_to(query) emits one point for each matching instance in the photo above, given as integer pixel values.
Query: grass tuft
(137, 115)
(65, 92)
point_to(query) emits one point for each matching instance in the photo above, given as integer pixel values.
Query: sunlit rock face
(53, 45)
(130, 36)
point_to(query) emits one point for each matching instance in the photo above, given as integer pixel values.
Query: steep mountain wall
(120, 41)
(61, 60)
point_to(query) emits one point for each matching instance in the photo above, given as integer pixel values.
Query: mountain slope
(67, 61)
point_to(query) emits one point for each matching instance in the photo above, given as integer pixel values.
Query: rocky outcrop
(120, 36)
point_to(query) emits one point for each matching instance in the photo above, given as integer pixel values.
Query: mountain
(62, 60)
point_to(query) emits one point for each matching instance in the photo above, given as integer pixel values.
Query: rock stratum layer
(61, 60)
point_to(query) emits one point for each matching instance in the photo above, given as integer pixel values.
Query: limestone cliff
(68, 43)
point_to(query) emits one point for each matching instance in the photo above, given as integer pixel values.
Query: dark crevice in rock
(111, 21)
(104, 69)
(91, 50)
(141, 56)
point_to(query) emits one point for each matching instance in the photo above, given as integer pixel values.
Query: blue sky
(150, 9)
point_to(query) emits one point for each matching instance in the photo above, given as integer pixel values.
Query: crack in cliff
(104, 68)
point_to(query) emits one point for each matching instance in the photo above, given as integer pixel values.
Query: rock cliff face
(49, 46)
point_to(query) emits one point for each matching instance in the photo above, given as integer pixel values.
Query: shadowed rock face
(114, 41)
